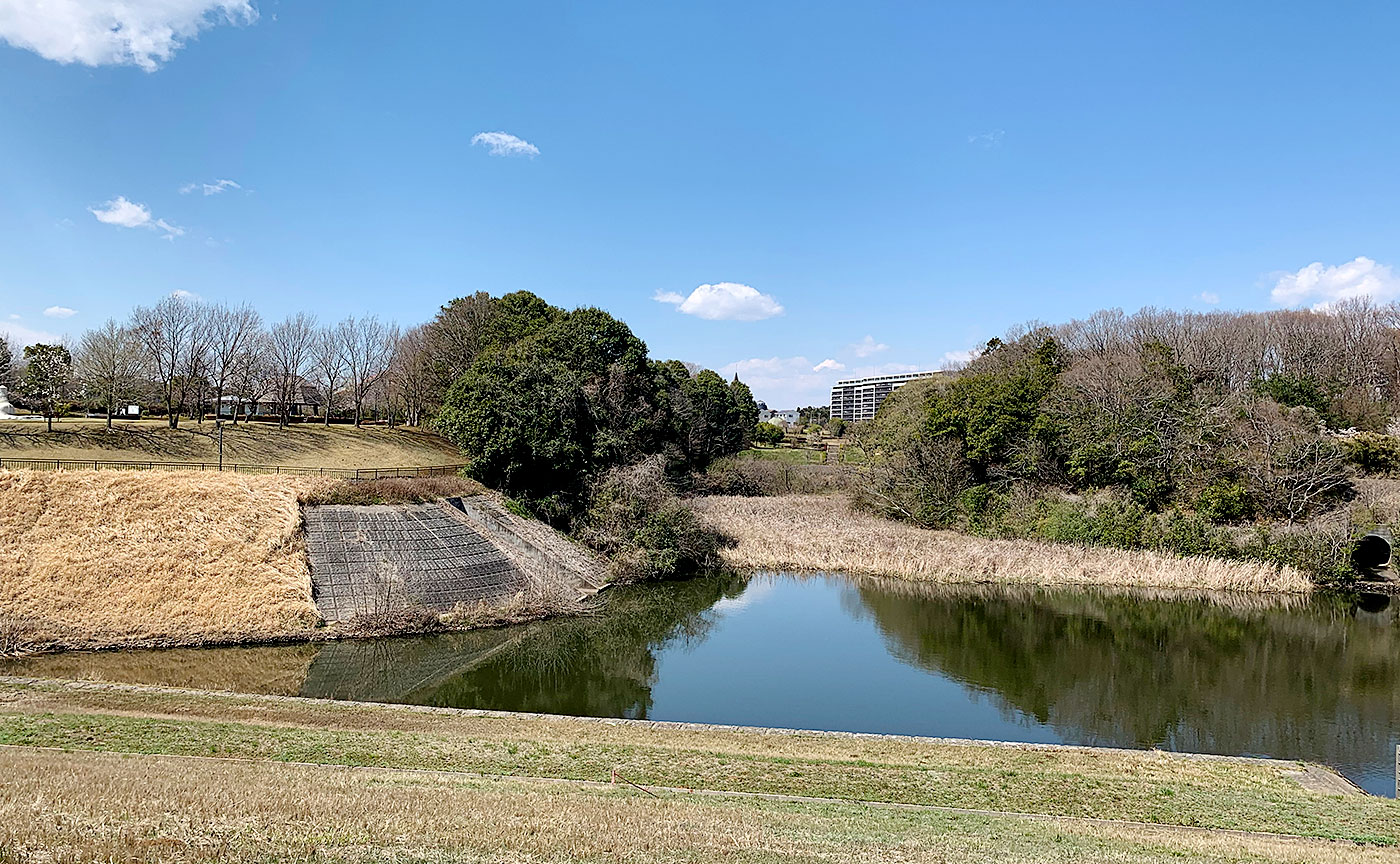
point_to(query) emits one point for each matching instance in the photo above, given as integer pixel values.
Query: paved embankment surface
(1135, 805)
(377, 558)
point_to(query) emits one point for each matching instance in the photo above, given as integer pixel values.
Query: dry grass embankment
(801, 532)
(106, 558)
(302, 445)
(463, 785)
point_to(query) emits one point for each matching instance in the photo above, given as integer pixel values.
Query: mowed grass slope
(107, 558)
(446, 785)
(306, 445)
(806, 532)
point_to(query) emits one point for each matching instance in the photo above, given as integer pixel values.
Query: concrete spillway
(376, 558)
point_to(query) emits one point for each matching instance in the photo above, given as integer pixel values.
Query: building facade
(857, 399)
(767, 416)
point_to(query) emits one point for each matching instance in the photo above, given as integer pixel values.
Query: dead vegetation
(394, 490)
(307, 445)
(811, 533)
(105, 558)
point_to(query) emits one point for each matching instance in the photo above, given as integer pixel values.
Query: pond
(1315, 679)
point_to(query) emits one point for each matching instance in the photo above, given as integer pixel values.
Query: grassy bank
(302, 445)
(822, 533)
(456, 785)
(106, 559)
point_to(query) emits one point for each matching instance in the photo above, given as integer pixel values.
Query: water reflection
(1287, 677)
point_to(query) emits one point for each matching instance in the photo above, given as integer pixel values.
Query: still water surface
(1311, 679)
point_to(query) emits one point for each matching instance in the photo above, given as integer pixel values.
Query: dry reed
(798, 532)
(102, 559)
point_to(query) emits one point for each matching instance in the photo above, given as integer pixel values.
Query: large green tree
(48, 380)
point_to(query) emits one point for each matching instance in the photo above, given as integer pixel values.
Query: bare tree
(328, 362)
(413, 374)
(109, 364)
(292, 340)
(231, 331)
(368, 346)
(252, 376)
(169, 334)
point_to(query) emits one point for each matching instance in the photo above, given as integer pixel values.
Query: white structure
(857, 399)
(767, 416)
(7, 411)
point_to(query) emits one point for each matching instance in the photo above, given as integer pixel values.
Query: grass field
(301, 445)
(789, 455)
(805, 532)
(105, 558)
(114, 773)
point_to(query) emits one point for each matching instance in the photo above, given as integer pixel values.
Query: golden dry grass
(302, 445)
(798, 532)
(101, 807)
(104, 558)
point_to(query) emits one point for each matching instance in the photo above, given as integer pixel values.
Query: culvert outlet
(1371, 553)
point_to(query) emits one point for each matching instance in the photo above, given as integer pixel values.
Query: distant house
(309, 403)
(768, 416)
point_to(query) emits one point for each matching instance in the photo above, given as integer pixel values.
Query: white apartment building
(857, 399)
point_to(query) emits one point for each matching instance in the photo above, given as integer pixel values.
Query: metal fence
(118, 465)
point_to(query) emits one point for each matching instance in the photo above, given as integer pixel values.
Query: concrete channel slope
(367, 559)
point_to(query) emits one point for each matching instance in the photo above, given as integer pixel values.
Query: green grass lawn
(785, 454)
(449, 751)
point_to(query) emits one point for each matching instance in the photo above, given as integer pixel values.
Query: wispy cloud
(142, 33)
(956, 359)
(987, 140)
(1210, 298)
(829, 365)
(723, 301)
(505, 144)
(182, 294)
(209, 188)
(129, 214)
(59, 312)
(18, 335)
(867, 347)
(1323, 285)
(783, 381)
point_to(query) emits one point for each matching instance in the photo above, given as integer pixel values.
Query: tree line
(1160, 429)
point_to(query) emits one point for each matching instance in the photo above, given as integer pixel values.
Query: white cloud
(209, 188)
(129, 214)
(723, 301)
(957, 359)
(142, 33)
(782, 381)
(59, 312)
(829, 365)
(1210, 298)
(505, 144)
(987, 140)
(867, 347)
(19, 335)
(182, 294)
(1361, 277)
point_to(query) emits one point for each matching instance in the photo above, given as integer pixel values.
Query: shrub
(1225, 501)
(1374, 454)
(767, 433)
(637, 520)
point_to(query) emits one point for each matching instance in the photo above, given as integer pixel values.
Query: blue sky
(873, 186)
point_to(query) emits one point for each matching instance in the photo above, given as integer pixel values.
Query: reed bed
(803, 532)
(106, 559)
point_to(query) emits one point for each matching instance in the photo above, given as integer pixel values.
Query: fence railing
(136, 465)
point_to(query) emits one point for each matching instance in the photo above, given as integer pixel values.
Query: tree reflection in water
(1216, 673)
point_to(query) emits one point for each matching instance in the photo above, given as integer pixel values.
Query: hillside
(302, 445)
